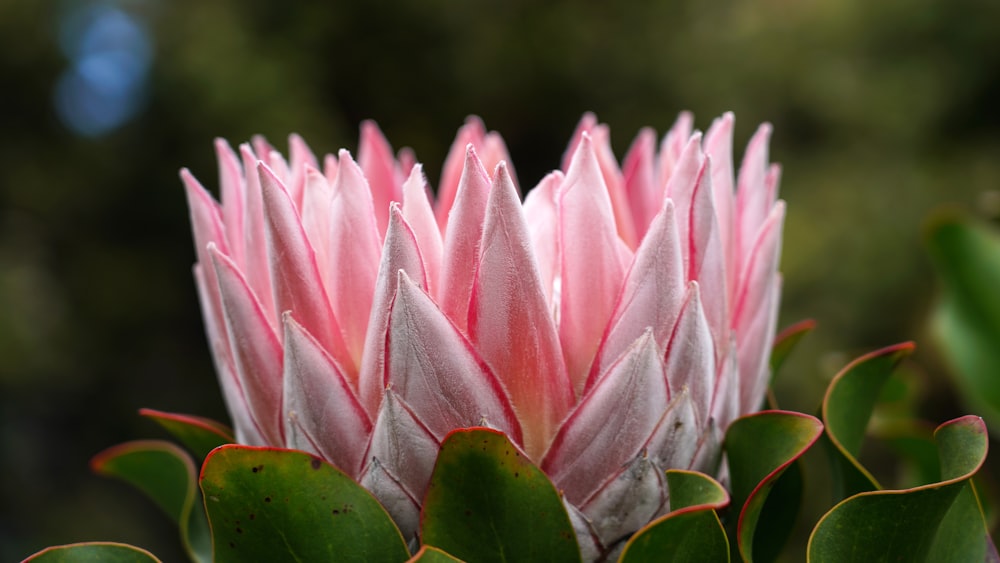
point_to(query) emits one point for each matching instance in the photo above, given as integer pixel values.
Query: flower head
(612, 325)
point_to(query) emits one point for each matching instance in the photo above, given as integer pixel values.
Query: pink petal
(436, 370)
(206, 222)
(728, 389)
(472, 133)
(236, 403)
(254, 347)
(652, 294)
(629, 501)
(420, 216)
(407, 160)
(493, 151)
(593, 262)
(330, 166)
(707, 258)
(755, 348)
(315, 209)
(672, 146)
(403, 507)
(509, 320)
(256, 266)
(381, 171)
(231, 188)
(709, 454)
(753, 202)
(462, 239)
(719, 148)
(298, 286)
(690, 356)
(299, 157)
(322, 414)
(611, 424)
(540, 215)
(404, 447)
(399, 252)
(639, 177)
(674, 442)
(355, 247)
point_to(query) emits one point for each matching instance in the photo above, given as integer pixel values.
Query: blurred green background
(882, 112)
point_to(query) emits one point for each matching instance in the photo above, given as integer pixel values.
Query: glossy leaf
(488, 502)
(786, 341)
(935, 522)
(760, 447)
(166, 474)
(847, 408)
(93, 552)
(429, 554)
(691, 532)
(267, 504)
(966, 322)
(199, 435)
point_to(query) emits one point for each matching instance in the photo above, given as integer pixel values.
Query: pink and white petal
(593, 265)
(255, 266)
(399, 252)
(355, 247)
(322, 413)
(510, 323)
(299, 158)
(708, 458)
(707, 260)
(601, 139)
(407, 160)
(674, 441)
(261, 147)
(652, 294)
(315, 213)
(254, 347)
(438, 372)
(672, 146)
(298, 286)
(639, 177)
(493, 152)
(231, 188)
(759, 269)
(586, 124)
(462, 239)
(611, 424)
(404, 447)
(206, 223)
(403, 507)
(628, 501)
(236, 403)
(719, 148)
(681, 189)
(419, 214)
(540, 215)
(728, 388)
(381, 170)
(755, 348)
(590, 544)
(471, 133)
(330, 168)
(690, 359)
(753, 202)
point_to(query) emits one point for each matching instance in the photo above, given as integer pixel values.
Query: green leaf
(966, 321)
(429, 554)
(268, 504)
(165, 473)
(691, 532)
(93, 552)
(760, 447)
(848, 406)
(935, 522)
(199, 435)
(487, 502)
(786, 340)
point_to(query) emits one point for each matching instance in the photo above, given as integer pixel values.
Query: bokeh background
(882, 111)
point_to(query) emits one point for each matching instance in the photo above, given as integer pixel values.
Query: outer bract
(612, 325)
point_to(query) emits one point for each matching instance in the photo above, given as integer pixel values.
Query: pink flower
(612, 325)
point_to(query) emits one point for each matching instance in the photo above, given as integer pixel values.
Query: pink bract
(612, 325)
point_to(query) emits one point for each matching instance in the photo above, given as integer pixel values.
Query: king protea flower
(612, 325)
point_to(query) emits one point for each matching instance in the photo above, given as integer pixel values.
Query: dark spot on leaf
(335, 511)
(517, 474)
(267, 499)
(239, 530)
(232, 545)
(468, 512)
(257, 469)
(252, 516)
(316, 463)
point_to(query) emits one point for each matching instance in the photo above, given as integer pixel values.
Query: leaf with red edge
(935, 522)
(166, 474)
(760, 447)
(847, 407)
(487, 502)
(198, 434)
(93, 552)
(269, 504)
(787, 340)
(691, 532)
(430, 554)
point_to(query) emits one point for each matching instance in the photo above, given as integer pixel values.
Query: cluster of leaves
(488, 502)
